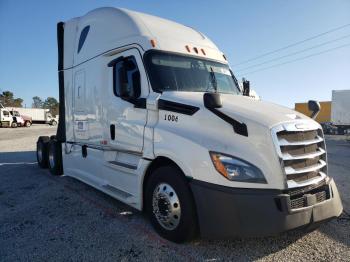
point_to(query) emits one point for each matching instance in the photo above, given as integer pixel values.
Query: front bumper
(225, 212)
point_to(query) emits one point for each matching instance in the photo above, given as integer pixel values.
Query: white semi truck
(152, 115)
(340, 113)
(10, 118)
(38, 115)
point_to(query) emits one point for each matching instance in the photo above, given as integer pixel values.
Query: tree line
(7, 99)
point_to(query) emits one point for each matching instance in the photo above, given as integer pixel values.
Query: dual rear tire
(49, 154)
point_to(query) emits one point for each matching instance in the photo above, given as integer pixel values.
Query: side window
(82, 37)
(6, 113)
(126, 80)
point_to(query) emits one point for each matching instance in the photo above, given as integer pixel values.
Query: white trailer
(38, 115)
(340, 116)
(152, 115)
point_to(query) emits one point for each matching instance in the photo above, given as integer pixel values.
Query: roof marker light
(195, 50)
(188, 48)
(153, 42)
(203, 52)
(223, 55)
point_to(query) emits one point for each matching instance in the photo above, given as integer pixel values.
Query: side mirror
(246, 87)
(212, 100)
(314, 107)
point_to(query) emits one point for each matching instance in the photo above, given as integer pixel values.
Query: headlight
(236, 169)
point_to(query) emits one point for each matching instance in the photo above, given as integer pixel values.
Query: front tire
(170, 206)
(54, 123)
(55, 158)
(14, 125)
(28, 124)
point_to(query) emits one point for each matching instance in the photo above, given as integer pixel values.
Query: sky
(241, 29)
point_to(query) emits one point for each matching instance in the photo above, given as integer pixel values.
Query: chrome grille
(302, 153)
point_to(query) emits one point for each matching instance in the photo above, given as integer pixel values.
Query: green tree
(17, 102)
(52, 104)
(37, 102)
(7, 99)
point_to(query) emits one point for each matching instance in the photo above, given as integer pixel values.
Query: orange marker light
(188, 48)
(218, 165)
(153, 42)
(203, 52)
(195, 50)
(224, 57)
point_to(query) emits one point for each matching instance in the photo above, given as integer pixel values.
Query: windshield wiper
(213, 80)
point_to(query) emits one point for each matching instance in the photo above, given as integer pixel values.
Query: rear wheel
(170, 206)
(42, 154)
(55, 158)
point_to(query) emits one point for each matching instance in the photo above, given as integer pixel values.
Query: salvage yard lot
(46, 218)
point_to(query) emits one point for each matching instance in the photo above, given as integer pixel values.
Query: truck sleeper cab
(152, 115)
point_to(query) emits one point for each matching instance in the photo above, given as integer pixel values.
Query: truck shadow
(17, 157)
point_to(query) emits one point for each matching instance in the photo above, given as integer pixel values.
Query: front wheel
(170, 206)
(14, 125)
(28, 124)
(54, 123)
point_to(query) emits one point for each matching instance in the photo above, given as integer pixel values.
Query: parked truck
(152, 114)
(341, 110)
(6, 119)
(38, 115)
(10, 118)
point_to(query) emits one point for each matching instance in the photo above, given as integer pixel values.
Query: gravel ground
(60, 219)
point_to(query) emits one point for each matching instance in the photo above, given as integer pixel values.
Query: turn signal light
(219, 165)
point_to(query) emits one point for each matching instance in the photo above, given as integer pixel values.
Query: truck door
(126, 112)
(79, 107)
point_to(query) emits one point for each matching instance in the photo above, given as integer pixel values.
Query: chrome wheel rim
(40, 153)
(51, 159)
(166, 206)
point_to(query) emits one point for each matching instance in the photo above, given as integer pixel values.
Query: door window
(6, 113)
(126, 72)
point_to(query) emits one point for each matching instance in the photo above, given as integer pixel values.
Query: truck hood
(241, 108)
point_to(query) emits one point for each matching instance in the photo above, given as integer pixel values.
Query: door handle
(112, 131)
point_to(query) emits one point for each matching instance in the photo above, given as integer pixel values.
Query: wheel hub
(166, 206)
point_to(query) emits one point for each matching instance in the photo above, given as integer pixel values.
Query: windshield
(172, 72)
(14, 113)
